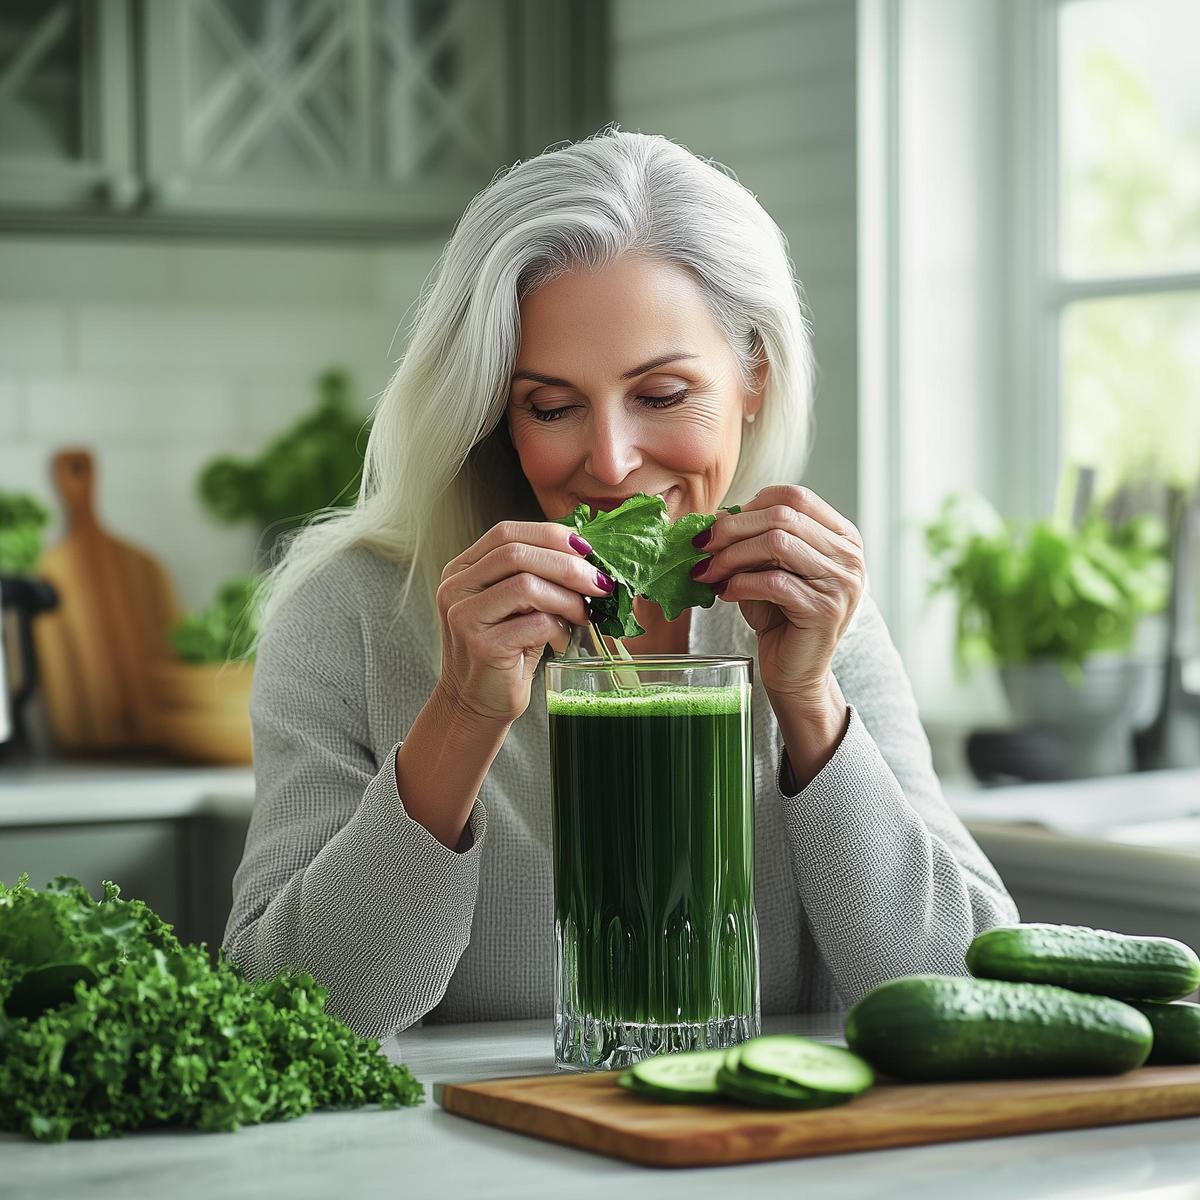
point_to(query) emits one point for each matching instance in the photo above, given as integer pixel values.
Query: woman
(611, 317)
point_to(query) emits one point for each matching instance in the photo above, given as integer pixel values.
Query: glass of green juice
(653, 817)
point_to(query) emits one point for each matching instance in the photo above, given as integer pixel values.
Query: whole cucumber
(926, 1027)
(1176, 1030)
(1086, 960)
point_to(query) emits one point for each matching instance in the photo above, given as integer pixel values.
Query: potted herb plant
(1062, 614)
(204, 692)
(314, 464)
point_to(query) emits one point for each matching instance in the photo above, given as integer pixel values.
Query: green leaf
(646, 555)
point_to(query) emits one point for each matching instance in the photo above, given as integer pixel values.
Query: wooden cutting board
(592, 1112)
(116, 604)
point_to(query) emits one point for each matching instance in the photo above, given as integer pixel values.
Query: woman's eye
(552, 414)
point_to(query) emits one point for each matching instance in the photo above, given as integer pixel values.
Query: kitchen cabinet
(66, 106)
(352, 117)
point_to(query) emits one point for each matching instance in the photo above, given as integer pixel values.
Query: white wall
(767, 87)
(159, 354)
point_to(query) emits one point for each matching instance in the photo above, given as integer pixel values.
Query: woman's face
(624, 384)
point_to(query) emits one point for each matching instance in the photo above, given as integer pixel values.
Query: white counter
(427, 1152)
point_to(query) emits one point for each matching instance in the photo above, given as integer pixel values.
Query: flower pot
(204, 710)
(1096, 715)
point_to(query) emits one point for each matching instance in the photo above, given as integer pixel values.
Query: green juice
(654, 860)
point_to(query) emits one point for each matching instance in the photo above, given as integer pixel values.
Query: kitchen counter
(425, 1151)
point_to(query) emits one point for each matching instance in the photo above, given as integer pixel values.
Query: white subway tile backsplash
(33, 336)
(10, 410)
(143, 408)
(232, 338)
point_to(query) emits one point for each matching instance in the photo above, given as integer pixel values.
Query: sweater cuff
(465, 858)
(840, 764)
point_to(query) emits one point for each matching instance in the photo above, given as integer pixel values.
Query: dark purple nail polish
(579, 545)
(720, 587)
(702, 538)
(604, 581)
(701, 567)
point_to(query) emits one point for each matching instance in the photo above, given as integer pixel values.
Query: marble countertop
(428, 1152)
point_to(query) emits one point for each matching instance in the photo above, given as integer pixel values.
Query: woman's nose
(613, 451)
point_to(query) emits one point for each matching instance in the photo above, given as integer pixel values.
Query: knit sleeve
(891, 881)
(336, 878)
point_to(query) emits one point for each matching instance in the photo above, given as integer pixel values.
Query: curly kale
(109, 1024)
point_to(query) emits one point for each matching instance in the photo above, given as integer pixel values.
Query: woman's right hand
(520, 586)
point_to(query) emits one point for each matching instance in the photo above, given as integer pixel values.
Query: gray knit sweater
(864, 875)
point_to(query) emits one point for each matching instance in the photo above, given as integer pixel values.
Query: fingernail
(720, 587)
(604, 581)
(702, 538)
(579, 545)
(700, 567)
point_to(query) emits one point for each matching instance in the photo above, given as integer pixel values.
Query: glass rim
(647, 662)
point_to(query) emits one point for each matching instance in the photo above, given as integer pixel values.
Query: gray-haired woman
(611, 317)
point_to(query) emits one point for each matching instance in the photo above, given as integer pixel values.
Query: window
(1125, 272)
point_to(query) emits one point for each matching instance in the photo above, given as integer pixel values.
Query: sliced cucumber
(690, 1077)
(796, 1061)
(767, 1093)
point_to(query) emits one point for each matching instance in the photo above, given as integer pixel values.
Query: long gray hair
(440, 469)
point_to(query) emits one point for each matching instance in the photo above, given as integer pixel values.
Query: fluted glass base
(591, 1044)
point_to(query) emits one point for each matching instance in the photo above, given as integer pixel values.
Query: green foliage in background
(21, 522)
(316, 464)
(1131, 374)
(1048, 592)
(108, 1024)
(225, 630)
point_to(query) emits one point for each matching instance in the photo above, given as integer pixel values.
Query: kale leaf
(108, 1024)
(646, 555)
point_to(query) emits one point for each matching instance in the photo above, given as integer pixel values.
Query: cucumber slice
(689, 1076)
(765, 1093)
(801, 1062)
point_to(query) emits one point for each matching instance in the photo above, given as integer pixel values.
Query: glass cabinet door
(389, 112)
(66, 126)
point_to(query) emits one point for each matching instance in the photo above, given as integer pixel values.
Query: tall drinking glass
(653, 810)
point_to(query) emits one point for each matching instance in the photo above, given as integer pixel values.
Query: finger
(517, 595)
(799, 598)
(549, 534)
(805, 500)
(532, 631)
(568, 569)
(774, 548)
(744, 525)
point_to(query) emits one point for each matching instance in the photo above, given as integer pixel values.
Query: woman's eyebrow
(553, 381)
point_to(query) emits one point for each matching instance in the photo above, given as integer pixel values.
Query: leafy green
(225, 630)
(21, 521)
(315, 464)
(646, 555)
(1046, 592)
(109, 1024)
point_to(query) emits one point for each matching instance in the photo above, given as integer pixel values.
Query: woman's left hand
(795, 567)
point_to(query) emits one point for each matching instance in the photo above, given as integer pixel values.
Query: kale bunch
(645, 554)
(223, 632)
(108, 1023)
(21, 520)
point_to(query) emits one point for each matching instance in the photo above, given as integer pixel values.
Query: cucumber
(926, 1027)
(800, 1062)
(689, 1077)
(1176, 1030)
(762, 1092)
(1097, 961)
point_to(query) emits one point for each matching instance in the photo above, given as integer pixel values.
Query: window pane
(1131, 379)
(1129, 115)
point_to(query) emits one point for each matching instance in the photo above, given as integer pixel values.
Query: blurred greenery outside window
(1128, 267)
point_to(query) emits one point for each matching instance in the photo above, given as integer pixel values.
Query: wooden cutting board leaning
(592, 1112)
(96, 650)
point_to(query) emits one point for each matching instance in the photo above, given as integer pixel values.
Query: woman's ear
(755, 398)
